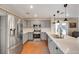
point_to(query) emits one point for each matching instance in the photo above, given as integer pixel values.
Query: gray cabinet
(43, 36)
(50, 46)
(30, 35)
(53, 48)
(25, 37)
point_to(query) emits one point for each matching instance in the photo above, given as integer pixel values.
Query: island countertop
(68, 45)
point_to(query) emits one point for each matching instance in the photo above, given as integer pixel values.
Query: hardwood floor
(35, 47)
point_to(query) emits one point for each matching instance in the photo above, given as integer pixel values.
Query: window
(61, 28)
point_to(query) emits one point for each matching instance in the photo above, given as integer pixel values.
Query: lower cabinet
(30, 35)
(50, 46)
(25, 37)
(43, 36)
(53, 48)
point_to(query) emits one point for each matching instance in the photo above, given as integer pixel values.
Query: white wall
(72, 20)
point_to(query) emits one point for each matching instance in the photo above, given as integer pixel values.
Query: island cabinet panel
(50, 46)
(53, 48)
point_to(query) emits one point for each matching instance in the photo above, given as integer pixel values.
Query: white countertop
(68, 45)
(26, 30)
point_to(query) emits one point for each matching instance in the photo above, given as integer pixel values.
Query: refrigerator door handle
(12, 32)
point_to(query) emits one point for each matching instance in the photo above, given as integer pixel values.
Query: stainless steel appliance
(37, 31)
(15, 35)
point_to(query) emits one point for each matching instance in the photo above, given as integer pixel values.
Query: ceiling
(43, 10)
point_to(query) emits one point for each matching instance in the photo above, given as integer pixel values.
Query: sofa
(75, 34)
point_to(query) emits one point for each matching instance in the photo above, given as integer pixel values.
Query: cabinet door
(58, 51)
(50, 46)
(53, 48)
(25, 37)
(43, 36)
(30, 35)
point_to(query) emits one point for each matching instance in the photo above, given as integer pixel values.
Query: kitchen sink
(57, 36)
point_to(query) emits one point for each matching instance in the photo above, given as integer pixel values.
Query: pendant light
(54, 19)
(65, 5)
(58, 12)
(58, 21)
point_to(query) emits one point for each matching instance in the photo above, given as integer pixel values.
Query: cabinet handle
(56, 48)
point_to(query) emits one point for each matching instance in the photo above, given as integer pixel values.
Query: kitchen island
(66, 45)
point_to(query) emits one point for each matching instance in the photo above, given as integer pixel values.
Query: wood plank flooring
(35, 47)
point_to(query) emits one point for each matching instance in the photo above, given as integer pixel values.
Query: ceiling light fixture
(31, 6)
(65, 5)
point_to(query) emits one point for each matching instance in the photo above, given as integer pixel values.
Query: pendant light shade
(65, 5)
(58, 21)
(65, 19)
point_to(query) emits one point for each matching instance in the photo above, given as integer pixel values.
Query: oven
(37, 31)
(36, 35)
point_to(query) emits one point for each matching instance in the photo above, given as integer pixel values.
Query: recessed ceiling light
(31, 6)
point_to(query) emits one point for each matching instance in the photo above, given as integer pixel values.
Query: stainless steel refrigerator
(15, 40)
